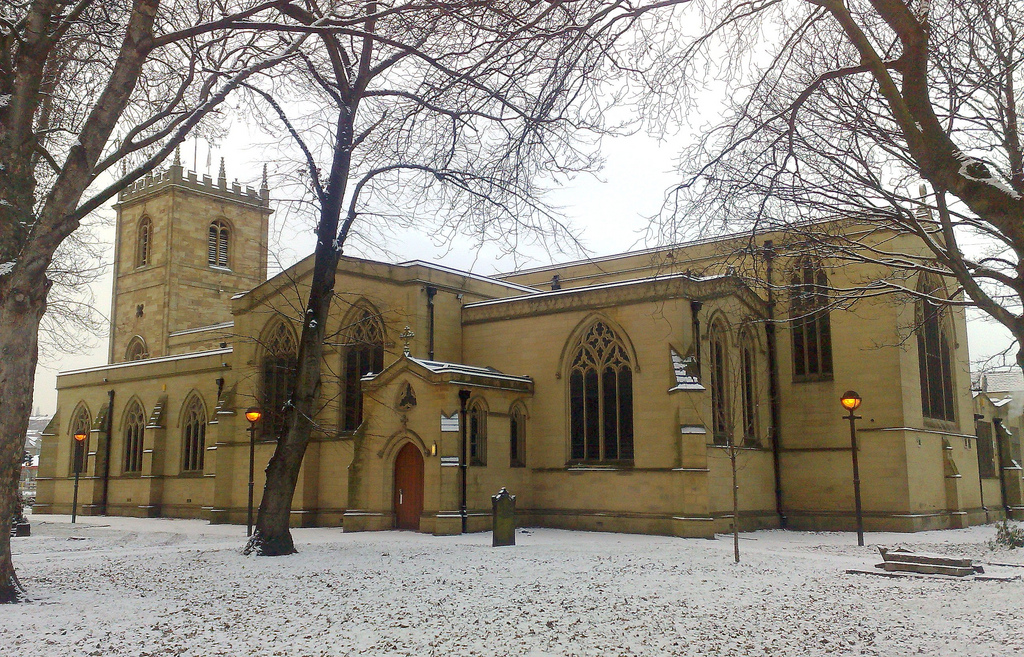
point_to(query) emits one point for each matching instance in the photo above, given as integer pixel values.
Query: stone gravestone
(503, 508)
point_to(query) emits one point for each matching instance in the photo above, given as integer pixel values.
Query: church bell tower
(184, 246)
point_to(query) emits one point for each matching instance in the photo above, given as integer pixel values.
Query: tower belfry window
(217, 244)
(144, 241)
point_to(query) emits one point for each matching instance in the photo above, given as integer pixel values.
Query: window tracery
(934, 353)
(721, 427)
(364, 353)
(134, 433)
(809, 318)
(600, 398)
(277, 376)
(477, 416)
(748, 387)
(136, 349)
(193, 435)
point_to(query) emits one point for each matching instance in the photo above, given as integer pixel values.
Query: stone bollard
(503, 510)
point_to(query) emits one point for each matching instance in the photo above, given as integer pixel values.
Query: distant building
(999, 424)
(606, 393)
(30, 465)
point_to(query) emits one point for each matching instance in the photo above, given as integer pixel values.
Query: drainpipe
(773, 378)
(463, 424)
(106, 459)
(695, 307)
(431, 291)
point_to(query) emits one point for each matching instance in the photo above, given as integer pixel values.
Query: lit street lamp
(79, 457)
(253, 414)
(851, 402)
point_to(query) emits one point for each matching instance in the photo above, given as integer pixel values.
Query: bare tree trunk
(272, 536)
(20, 312)
(735, 505)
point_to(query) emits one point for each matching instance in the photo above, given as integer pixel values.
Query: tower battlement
(176, 175)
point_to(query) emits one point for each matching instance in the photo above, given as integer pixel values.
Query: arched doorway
(408, 495)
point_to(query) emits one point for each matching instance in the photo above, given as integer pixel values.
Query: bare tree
(93, 95)
(448, 116)
(844, 110)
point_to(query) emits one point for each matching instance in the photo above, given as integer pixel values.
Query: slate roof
(1009, 380)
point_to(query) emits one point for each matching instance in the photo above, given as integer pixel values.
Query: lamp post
(253, 414)
(851, 402)
(79, 457)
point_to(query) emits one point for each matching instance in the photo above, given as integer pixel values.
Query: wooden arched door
(408, 495)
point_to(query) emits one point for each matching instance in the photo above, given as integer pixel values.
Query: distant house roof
(36, 424)
(1008, 380)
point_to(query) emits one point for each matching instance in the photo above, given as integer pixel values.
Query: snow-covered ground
(119, 586)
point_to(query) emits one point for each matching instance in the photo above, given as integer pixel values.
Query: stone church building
(607, 394)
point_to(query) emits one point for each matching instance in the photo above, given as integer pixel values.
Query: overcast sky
(609, 210)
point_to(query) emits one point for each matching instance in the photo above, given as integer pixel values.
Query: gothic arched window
(134, 434)
(812, 330)
(80, 423)
(364, 353)
(720, 424)
(748, 387)
(217, 244)
(934, 353)
(517, 437)
(277, 375)
(193, 435)
(600, 398)
(136, 349)
(144, 243)
(477, 417)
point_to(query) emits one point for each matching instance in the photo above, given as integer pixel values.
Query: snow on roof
(429, 265)
(149, 361)
(467, 274)
(590, 288)
(36, 424)
(200, 329)
(1008, 380)
(441, 367)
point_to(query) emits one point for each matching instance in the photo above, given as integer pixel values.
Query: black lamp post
(79, 457)
(851, 402)
(253, 414)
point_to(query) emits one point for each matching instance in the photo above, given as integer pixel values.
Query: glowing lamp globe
(80, 437)
(850, 400)
(253, 414)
